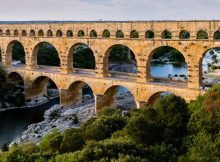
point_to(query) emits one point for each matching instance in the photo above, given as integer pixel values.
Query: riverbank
(59, 118)
(40, 101)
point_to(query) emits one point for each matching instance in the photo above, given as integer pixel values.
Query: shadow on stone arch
(43, 88)
(157, 96)
(79, 93)
(117, 97)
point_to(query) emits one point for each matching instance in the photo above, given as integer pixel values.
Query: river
(14, 122)
(163, 70)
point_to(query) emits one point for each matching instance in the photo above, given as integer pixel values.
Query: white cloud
(108, 10)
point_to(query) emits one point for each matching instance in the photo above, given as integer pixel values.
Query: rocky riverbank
(61, 118)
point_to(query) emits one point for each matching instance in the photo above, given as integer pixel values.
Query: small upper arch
(202, 34)
(49, 33)
(32, 33)
(69, 33)
(134, 34)
(81, 33)
(40, 33)
(24, 33)
(149, 34)
(1, 32)
(59, 33)
(166, 34)
(8, 32)
(93, 34)
(119, 34)
(16, 32)
(217, 35)
(106, 34)
(184, 34)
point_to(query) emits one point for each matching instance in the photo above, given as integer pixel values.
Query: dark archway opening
(12, 91)
(120, 58)
(42, 90)
(149, 34)
(184, 35)
(167, 63)
(202, 35)
(82, 56)
(46, 55)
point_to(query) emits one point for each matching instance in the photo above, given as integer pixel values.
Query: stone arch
(69, 33)
(202, 34)
(149, 34)
(38, 87)
(1, 32)
(41, 33)
(160, 94)
(112, 96)
(76, 93)
(71, 56)
(203, 66)
(32, 33)
(8, 32)
(9, 51)
(59, 33)
(81, 33)
(108, 53)
(166, 34)
(49, 33)
(15, 77)
(93, 34)
(16, 32)
(24, 33)
(106, 34)
(119, 34)
(34, 56)
(217, 35)
(134, 34)
(167, 49)
(184, 34)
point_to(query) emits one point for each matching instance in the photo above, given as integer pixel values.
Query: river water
(14, 122)
(158, 70)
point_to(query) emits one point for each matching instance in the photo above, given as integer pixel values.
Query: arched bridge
(141, 37)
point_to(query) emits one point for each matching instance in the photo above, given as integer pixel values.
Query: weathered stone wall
(192, 49)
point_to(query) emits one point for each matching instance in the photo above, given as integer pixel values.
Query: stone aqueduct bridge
(64, 36)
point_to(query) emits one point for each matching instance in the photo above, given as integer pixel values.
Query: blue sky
(109, 9)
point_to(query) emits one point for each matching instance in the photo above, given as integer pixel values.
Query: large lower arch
(157, 96)
(78, 93)
(81, 56)
(119, 58)
(15, 53)
(42, 86)
(167, 63)
(45, 54)
(209, 68)
(116, 97)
